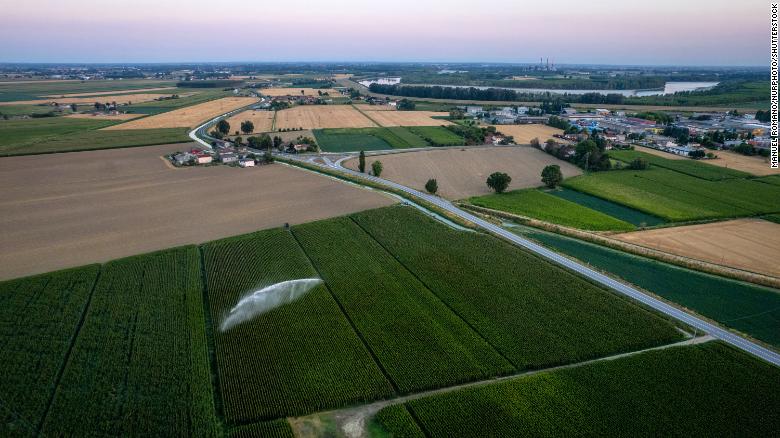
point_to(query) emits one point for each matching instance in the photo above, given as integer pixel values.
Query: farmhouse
(246, 162)
(203, 158)
(228, 157)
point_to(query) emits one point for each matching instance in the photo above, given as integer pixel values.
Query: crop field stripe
(454, 312)
(61, 371)
(725, 200)
(365, 114)
(219, 403)
(346, 316)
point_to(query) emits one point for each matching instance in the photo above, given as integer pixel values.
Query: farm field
(117, 92)
(474, 263)
(119, 99)
(296, 91)
(367, 139)
(523, 134)
(62, 134)
(748, 244)
(295, 359)
(39, 318)
(462, 173)
(99, 205)
(140, 361)
(187, 117)
(437, 135)
(418, 341)
(772, 180)
(103, 116)
(751, 309)
(618, 211)
(689, 167)
(349, 140)
(752, 165)
(321, 116)
(547, 207)
(367, 107)
(194, 96)
(686, 391)
(408, 118)
(675, 196)
(262, 120)
(33, 90)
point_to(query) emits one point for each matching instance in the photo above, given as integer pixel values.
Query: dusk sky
(661, 32)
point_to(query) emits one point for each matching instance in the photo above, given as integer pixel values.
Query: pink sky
(715, 32)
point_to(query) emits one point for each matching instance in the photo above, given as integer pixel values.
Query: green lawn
(349, 140)
(773, 180)
(544, 206)
(699, 169)
(618, 211)
(437, 135)
(702, 390)
(751, 309)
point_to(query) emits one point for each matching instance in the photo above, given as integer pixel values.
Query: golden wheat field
(408, 118)
(187, 117)
(276, 92)
(263, 120)
(523, 134)
(321, 116)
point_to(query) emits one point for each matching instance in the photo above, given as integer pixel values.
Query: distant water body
(669, 88)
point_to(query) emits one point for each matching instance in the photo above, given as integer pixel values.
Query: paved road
(661, 306)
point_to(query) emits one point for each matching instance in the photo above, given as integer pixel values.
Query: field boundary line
(66, 359)
(701, 266)
(366, 115)
(371, 408)
(216, 393)
(346, 316)
(454, 312)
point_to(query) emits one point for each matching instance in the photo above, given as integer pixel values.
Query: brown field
(276, 92)
(461, 172)
(523, 134)
(103, 116)
(755, 165)
(367, 107)
(748, 244)
(103, 93)
(66, 210)
(321, 116)
(263, 120)
(135, 98)
(187, 117)
(662, 154)
(408, 118)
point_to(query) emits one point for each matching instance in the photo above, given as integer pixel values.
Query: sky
(659, 32)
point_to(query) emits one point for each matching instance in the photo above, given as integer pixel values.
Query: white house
(246, 162)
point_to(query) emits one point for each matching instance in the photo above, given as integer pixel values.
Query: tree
(73, 107)
(638, 164)
(266, 142)
(535, 142)
(405, 105)
(223, 127)
(376, 166)
(267, 157)
(247, 127)
(362, 162)
(499, 181)
(277, 141)
(432, 186)
(552, 176)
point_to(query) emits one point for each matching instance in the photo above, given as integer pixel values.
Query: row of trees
(376, 166)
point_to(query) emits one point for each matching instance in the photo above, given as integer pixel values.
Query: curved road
(660, 306)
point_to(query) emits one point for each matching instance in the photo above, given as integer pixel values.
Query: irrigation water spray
(267, 298)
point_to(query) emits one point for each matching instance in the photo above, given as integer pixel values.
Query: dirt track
(748, 244)
(65, 210)
(461, 173)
